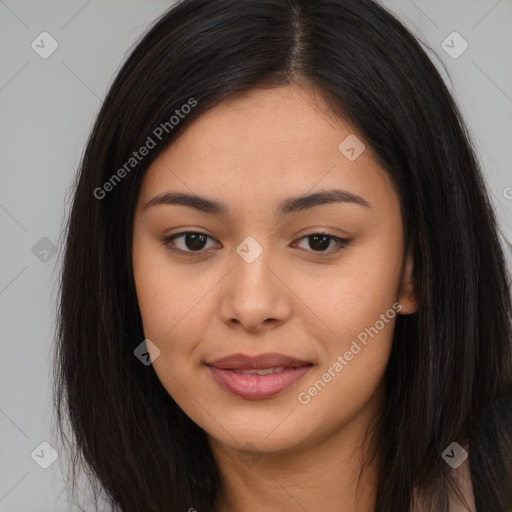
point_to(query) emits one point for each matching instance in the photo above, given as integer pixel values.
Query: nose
(255, 295)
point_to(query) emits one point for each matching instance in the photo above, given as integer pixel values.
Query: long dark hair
(450, 361)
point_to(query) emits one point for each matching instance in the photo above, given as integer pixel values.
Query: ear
(408, 295)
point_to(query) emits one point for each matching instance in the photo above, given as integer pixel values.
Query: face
(316, 283)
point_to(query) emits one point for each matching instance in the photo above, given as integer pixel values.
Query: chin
(263, 436)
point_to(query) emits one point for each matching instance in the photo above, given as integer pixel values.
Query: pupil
(323, 239)
(197, 241)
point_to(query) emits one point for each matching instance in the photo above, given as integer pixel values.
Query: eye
(195, 242)
(320, 242)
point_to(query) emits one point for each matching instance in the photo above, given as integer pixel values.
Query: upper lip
(261, 361)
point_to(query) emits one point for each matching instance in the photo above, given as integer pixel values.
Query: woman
(283, 286)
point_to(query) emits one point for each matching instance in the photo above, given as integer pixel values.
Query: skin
(252, 151)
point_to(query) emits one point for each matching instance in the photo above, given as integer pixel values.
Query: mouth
(259, 371)
(257, 377)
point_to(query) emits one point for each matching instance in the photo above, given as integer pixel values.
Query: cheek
(353, 296)
(360, 314)
(356, 308)
(166, 297)
(175, 313)
(172, 319)
(172, 324)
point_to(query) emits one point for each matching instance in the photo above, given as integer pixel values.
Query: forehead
(291, 120)
(263, 142)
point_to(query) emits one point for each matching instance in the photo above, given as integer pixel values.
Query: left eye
(322, 241)
(195, 241)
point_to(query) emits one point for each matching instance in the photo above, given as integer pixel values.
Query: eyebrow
(287, 206)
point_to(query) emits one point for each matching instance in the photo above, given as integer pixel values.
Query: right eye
(192, 243)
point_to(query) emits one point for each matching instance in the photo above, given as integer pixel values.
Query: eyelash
(167, 242)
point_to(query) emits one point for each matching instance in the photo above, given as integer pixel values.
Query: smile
(258, 377)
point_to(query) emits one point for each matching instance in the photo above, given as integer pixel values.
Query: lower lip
(252, 385)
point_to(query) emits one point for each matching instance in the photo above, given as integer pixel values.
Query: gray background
(47, 107)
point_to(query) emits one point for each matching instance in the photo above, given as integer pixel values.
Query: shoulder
(483, 482)
(491, 456)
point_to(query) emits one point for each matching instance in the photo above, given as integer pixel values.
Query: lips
(259, 362)
(257, 377)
